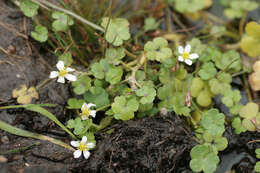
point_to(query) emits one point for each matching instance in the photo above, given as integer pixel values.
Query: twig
(241, 24)
(18, 150)
(180, 23)
(7, 53)
(247, 88)
(11, 29)
(130, 54)
(27, 41)
(40, 2)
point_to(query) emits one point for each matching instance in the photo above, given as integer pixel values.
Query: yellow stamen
(85, 112)
(83, 147)
(185, 55)
(63, 72)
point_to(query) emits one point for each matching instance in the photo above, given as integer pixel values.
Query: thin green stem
(103, 107)
(18, 150)
(24, 106)
(46, 3)
(24, 133)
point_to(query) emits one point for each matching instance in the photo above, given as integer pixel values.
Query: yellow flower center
(83, 147)
(185, 55)
(63, 72)
(85, 112)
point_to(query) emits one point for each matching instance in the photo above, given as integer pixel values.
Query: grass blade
(49, 115)
(24, 133)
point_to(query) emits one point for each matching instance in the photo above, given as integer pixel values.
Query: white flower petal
(187, 48)
(74, 143)
(84, 117)
(86, 154)
(70, 69)
(61, 80)
(93, 113)
(194, 56)
(84, 106)
(60, 65)
(84, 139)
(54, 74)
(180, 58)
(91, 145)
(188, 61)
(180, 48)
(90, 105)
(71, 77)
(77, 154)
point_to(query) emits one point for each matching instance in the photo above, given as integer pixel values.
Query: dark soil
(158, 144)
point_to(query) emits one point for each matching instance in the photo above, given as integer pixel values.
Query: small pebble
(5, 140)
(3, 159)
(11, 49)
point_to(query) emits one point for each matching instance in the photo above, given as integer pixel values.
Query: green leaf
(190, 6)
(237, 125)
(218, 31)
(66, 58)
(114, 75)
(204, 98)
(221, 143)
(207, 71)
(224, 77)
(74, 103)
(99, 69)
(79, 125)
(150, 24)
(140, 75)
(98, 96)
(215, 86)
(117, 30)
(179, 106)
(203, 159)
(230, 61)
(208, 54)
(82, 84)
(29, 8)
(251, 42)
(213, 122)
(124, 108)
(62, 21)
(157, 49)
(40, 34)
(197, 85)
(257, 151)
(235, 109)
(147, 93)
(252, 29)
(166, 93)
(257, 167)
(197, 46)
(249, 111)
(248, 124)
(114, 55)
(228, 101)
(237, 8)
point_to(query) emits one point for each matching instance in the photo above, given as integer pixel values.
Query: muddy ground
(159, 144)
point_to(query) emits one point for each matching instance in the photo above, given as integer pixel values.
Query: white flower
(185, 54)
(86, 112)
(63, 73)
(83, 147)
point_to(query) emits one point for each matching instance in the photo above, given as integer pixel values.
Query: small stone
(11, 49)
(3, 159)
(5, 140)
